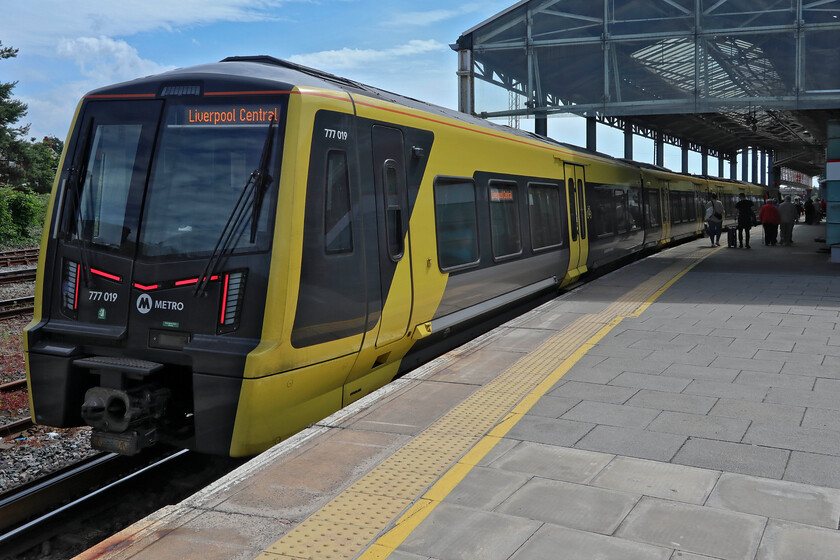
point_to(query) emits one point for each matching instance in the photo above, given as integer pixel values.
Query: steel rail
(48, 494)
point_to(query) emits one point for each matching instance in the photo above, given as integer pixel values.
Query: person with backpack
(714, 217)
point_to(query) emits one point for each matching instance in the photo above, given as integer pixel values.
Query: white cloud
(433, 16)
(38, 25)
(342, 59)
(104, 60)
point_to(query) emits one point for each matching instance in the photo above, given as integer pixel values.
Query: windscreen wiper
(253, 191)
(262, 180)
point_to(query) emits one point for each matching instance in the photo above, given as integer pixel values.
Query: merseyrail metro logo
(144, 303)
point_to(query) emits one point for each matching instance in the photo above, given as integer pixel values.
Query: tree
(40, 163)
(12, 149)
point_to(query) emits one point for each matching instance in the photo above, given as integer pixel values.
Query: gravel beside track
(40, 449)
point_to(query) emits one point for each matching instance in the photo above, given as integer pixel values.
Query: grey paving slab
(761, 412)
(611, 414)
(791, 501)
(485, 488)
(813, 468)
(457, 533)
(754, 364)
(647, 365)
(821, 418)
(812, 440)
(672, 401)
(789, 541)
(703, 372)
(805, 398)
(801, 382)
(733, 457)
(415, 410)
(647, 381)
(827, 371)
(575, 506)
(827, 386)
(756, 393)
(552, 407)
(797, 357)
(522, 340)
(552, 431)
(675, 356)
(549, 461)
(657, 479)
(697, 425)
(701, 530)
(632, 442)
(592, 392)
(477, 368)
(551, 540)
(732, 350)
(615, 351)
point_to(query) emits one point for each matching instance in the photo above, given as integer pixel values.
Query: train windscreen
(201, 179)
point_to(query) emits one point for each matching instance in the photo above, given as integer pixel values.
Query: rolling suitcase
(731, 240)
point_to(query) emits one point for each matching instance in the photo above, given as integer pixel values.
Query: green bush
(21, 217)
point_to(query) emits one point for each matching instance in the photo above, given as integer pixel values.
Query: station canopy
(719, 74)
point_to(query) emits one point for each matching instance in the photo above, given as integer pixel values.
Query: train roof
(251, 73)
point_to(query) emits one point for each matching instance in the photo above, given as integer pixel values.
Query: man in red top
(770, 218)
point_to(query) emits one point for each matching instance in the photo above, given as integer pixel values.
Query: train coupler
(126, 443)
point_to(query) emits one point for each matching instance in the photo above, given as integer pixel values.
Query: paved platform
(685, 407)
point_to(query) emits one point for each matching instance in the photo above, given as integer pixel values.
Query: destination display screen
(227, 115)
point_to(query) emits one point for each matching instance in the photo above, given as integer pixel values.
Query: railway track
(16, 306)
(15, 426)
(14, 276)
(73, 509)
(18, 257)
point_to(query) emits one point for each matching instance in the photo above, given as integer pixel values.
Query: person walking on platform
(769, 217)
(787, 214)
(744, 214)
(714, 216)
(810, 211)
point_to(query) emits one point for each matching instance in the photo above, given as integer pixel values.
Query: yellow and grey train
(235, 250)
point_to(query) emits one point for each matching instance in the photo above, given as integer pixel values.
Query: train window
(634, 208)
(110, 168)
(504, 220)
(675, 208)
(338, 231)
(209, 165)
(544, 211)
(622, 224)
(582, 208)
(653, 210)
(456, 223)
(573, 217)
(602, 223)
(393, 211)
(684, 206)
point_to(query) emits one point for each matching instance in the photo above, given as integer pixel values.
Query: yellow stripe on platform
(409, 485)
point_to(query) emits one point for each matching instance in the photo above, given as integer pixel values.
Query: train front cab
(143, 319)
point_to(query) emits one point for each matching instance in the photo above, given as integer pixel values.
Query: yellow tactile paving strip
(391, 500)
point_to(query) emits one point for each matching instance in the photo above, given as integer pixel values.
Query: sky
(69, 47)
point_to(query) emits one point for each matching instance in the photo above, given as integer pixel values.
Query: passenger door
(578, 218)
(394, 244)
